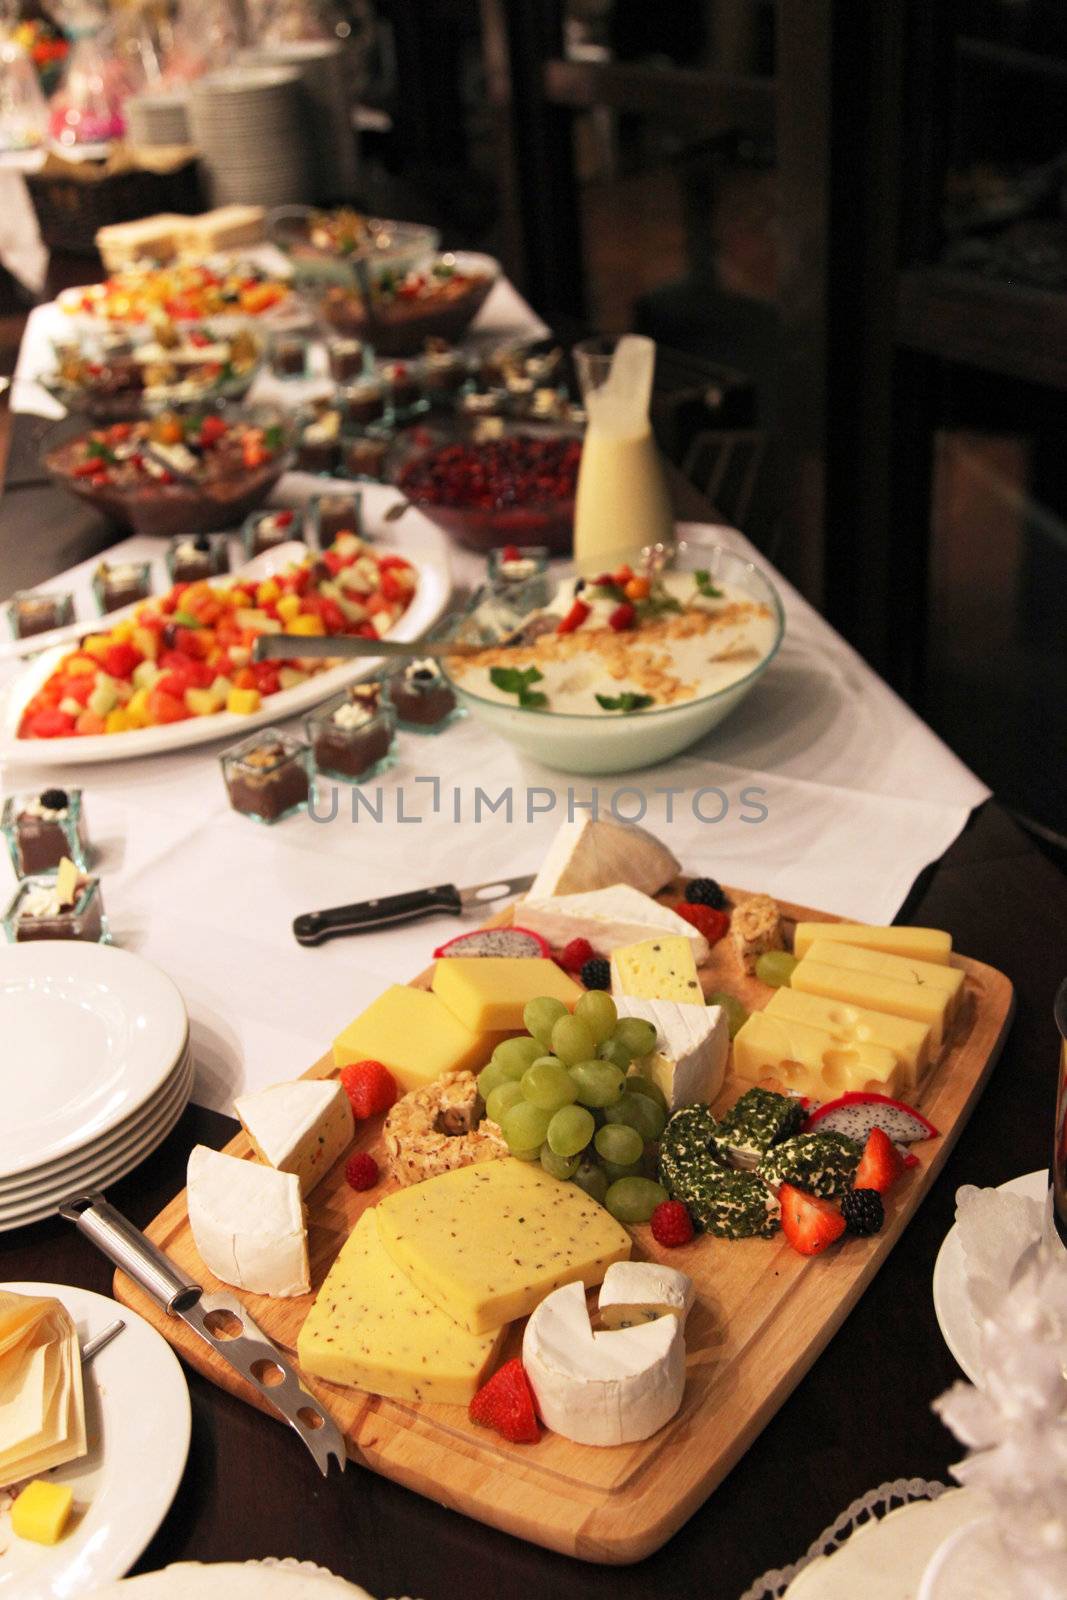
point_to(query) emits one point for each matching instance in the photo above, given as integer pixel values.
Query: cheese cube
(41, 1512)
(372, 1329)
(656, 969)
(415, 1034)
(693, 1042)
(924, 944)
(919, 989)
(301, 1127)
(811, 1061)
(488, 993)
(908, 1040)
(905, 969)
(487, 1243)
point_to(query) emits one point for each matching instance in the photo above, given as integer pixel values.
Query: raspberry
(863, 1211)
(623, 617)
(711, 923)
(573, 956)
(671, 1223)
(369, 1086)
(596, 974)
(705, 892)
(361, 1170)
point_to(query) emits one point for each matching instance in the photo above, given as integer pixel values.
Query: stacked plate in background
(252, 130)
(324, 82)
(158, 118)
(96, 1070)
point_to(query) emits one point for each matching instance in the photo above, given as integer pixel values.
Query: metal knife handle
(364, 916)
(128, 1248)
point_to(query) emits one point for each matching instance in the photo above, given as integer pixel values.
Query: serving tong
(220, 1319)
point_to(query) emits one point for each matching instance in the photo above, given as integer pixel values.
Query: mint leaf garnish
(513, 680)
(625, 702)
(705, 586)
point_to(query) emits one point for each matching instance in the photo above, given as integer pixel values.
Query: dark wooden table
(862, 1415)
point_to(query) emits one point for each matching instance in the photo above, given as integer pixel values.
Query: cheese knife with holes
(221, 1320)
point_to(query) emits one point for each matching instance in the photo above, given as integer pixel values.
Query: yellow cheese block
(488, 993)
(811, 1061)
(921, 1002)
(41, 1512)
(370, 1328)
(902, 969)
(413, 1032)
(908, 1040)
(924, 944)
(487, 1243)
(657, 969)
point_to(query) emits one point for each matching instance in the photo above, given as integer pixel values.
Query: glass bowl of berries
(511, 487)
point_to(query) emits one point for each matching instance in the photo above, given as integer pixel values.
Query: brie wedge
(301, 1127)
(248, 1223)
(610, 1387)
(593, 853)
(641, 1291)
(609, 918)
(693, 1042)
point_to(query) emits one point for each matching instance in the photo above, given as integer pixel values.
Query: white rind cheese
(689, 1062)
(605, 1388)
(248, 1223)
(644, 1290)
(609, 918)
(593, 853)
(301, 1127)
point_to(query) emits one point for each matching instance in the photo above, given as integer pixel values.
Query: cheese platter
(434, 1305)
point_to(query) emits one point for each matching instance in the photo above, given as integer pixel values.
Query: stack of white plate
(160, 118)
(321, 64)
(250, 126)
(95, 1070)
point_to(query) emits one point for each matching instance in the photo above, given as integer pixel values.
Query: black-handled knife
(314, 927)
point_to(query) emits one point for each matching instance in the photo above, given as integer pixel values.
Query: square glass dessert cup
(121, 583)
(610, 742)
(194, 557)
(33, 611)
(348, 742)
(267, 775)
(266, 530)
(40, 829)
(422, 697)
(85, 920)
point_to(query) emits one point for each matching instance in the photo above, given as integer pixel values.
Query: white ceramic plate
(423, 545)
(952, 1303)
(80, 1171)
(16, 1191)
(137, 1418)
(91, 1034)
(270, 1579)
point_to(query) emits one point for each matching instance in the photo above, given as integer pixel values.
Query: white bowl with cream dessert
(594, 677)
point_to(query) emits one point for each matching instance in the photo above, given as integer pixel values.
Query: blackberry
(863, 1211)
(55, 799)
(596, 974)
(705, 892)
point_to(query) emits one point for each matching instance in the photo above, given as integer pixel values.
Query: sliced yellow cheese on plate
(924, 944)
(416, 1036)
(847, 1024)
(811, 1061)
(488, 993)
(875, 992)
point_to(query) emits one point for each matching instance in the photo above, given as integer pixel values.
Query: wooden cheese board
(763, 1315)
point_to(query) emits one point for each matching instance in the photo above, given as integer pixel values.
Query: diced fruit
(880, 1165)
(243, 701)
(306, 625)
(671, 1224)
(506, 1404)
(361, 1171)
(42, 1510)
(105, 696)
(288, 607)
(204, 702)
(811, 1225)
(370, 1087)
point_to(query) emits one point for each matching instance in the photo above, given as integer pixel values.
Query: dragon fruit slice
(495, 942)
(856, 1114)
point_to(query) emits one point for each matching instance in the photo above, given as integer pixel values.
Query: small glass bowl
(121, 584)
(365, 456)
(85, 920)
(516, 564)
(356, 753)
(318, 446)
(289, 356)
(423, 698)
(193, 557)
(346, 359)
(403, 389)
(333, 514)
(266, 530)
(32, 611)
(268, 775)
(38, 840)
(443, 374)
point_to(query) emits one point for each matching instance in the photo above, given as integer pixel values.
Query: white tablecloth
(859, 796)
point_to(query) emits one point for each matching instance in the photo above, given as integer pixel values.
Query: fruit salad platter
(175, 670)
(553, 1231)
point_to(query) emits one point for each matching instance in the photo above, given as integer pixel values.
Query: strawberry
(573, 956)
(370, 1087)
(706, 919)
(361, 1171)
(810, 1225)
(881, 1163)
(506, 1403)
(623, 617)
(671, 1223)
(574, 618)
